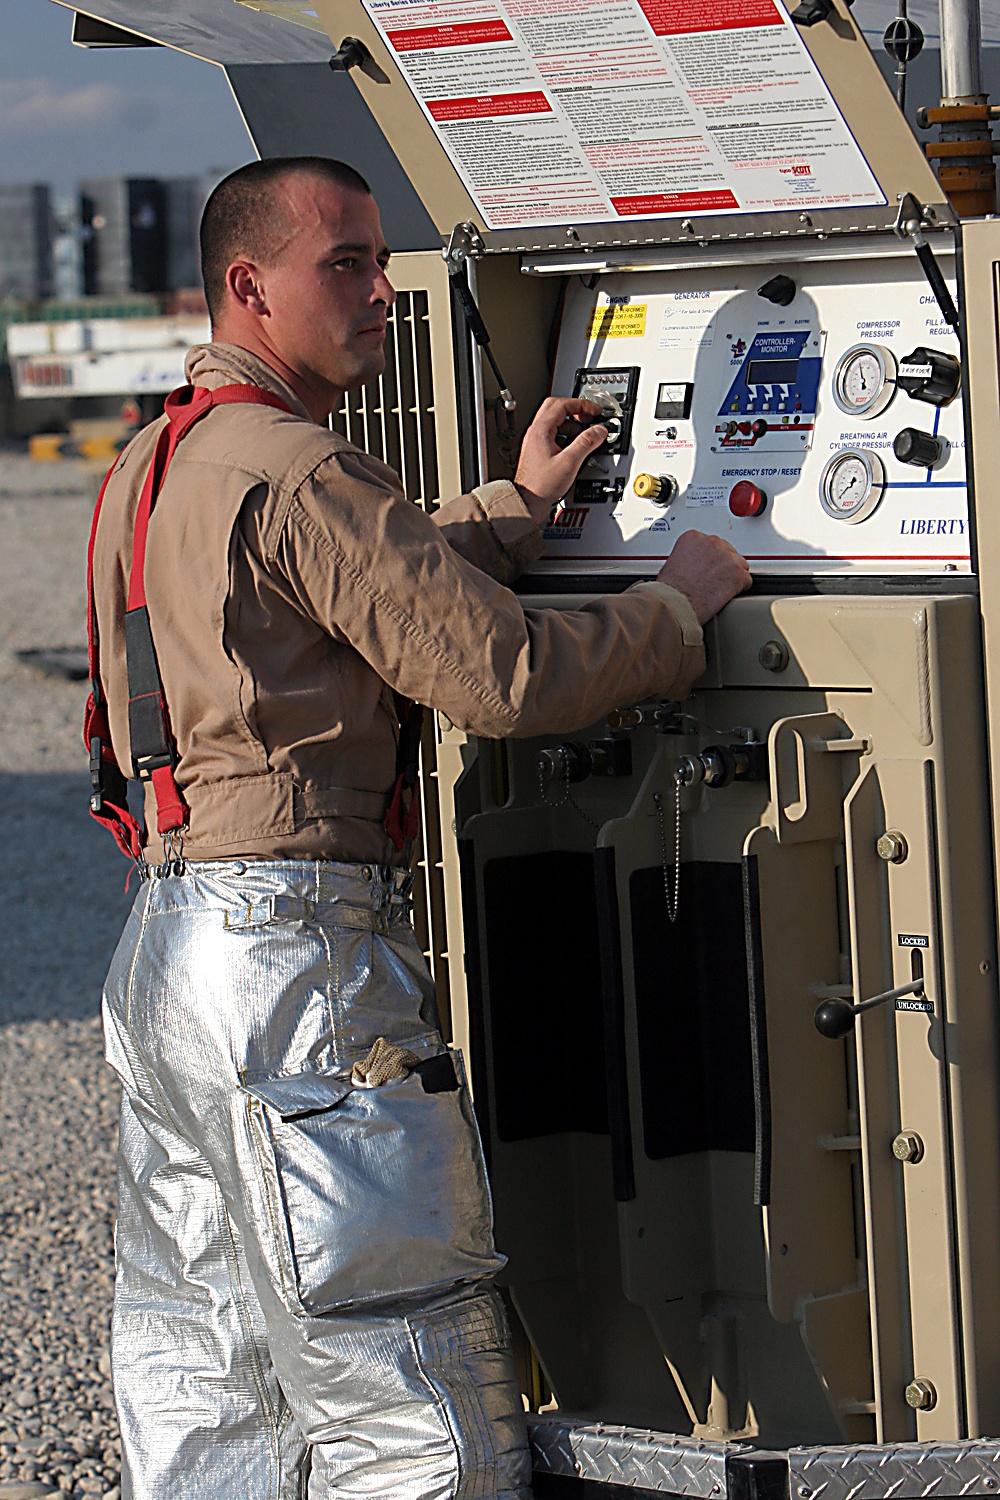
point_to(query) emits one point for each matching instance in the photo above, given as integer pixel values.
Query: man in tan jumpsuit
(304, 1244)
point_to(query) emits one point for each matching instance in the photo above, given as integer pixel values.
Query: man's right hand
(708, 570)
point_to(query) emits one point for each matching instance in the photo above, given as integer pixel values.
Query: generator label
(625, 109)
(912, 940)
(688, 320)
(617, 320)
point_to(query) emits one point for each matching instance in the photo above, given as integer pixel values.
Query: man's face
(326, 289)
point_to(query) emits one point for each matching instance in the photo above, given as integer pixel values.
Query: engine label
(617, 320)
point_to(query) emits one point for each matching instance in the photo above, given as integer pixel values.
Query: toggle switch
(662, 489)
(921, 449)
(747, 499)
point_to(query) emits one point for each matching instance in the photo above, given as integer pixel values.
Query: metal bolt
(921, 1395)
(908, 1146)
(805, 1491)
(892, 847)
(773, 656)
(985, 966)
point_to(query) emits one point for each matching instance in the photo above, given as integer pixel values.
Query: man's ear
(244, 284)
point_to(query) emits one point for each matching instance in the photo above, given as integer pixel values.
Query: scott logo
(566, 525)
(572, 518)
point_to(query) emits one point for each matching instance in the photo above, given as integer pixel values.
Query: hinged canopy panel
(556, 124)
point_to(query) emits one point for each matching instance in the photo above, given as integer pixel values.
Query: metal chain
(567, 796)
(673, 897)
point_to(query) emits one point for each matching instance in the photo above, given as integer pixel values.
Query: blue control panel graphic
(773, 392)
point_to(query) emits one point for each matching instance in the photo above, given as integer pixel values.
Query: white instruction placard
(579, 112)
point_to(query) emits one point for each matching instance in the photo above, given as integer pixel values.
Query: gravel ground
(64, 903)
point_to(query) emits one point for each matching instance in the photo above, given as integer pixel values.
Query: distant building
(140, 234)
(25, 242)
(186, 198)
(184, 201)
(124, 234)
(67, 249)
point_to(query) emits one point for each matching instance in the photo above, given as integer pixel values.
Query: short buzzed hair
(240, 216)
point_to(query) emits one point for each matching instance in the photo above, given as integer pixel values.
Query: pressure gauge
(852, 485)
(864, 381)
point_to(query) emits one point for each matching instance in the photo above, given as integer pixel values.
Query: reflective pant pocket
(370, 1194)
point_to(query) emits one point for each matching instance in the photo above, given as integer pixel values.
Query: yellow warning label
(617, 320)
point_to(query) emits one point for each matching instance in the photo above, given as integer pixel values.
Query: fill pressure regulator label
(628, 110)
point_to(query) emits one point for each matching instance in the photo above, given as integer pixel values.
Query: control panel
(810, 413)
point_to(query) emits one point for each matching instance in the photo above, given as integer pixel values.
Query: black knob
(811, 11)
(568, 762)
(780, 289)
(834, 1018)
(921, 449)
(933, 376)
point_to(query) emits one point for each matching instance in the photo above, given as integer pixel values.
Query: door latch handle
(352, 53)
(836, 1015)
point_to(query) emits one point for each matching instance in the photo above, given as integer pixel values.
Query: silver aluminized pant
(302, 1297)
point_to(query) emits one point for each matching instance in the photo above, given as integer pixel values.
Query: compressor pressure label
(600, 110)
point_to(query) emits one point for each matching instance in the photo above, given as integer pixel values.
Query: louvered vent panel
(393, 418)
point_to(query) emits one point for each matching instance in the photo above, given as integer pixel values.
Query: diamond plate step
(895, 1471)
(629, 1456)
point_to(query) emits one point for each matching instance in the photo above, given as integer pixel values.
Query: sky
(67, 112)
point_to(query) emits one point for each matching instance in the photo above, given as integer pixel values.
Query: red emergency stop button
(747, 498)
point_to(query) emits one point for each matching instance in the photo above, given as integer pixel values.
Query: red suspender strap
(154, 753)
(403, 825)
(108, 787)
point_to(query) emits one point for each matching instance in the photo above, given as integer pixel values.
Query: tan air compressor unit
(726, 968)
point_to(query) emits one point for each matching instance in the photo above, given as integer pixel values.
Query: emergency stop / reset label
(585, 111)
(617, 320)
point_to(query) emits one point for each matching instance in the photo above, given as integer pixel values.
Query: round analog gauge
(852, 485)
(864, 381)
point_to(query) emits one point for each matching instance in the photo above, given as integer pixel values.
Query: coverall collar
(215, 365)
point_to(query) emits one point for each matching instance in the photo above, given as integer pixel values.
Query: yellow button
(646, 486)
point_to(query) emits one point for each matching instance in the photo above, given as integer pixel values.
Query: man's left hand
(545, 470)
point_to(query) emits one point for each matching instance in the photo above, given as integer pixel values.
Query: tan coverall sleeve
(492, 528)
(377, 573)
